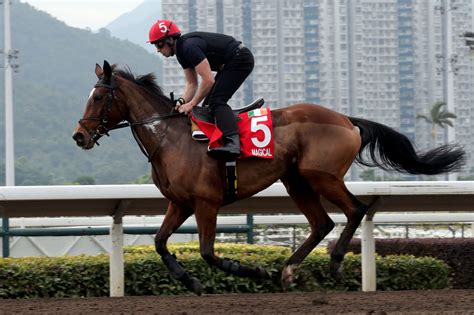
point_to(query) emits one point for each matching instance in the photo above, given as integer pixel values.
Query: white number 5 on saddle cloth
(256, 133)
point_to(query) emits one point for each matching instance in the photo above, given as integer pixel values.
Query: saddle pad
(256, 133)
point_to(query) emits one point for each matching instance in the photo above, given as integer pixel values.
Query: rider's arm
(191, 84)
(203, 69)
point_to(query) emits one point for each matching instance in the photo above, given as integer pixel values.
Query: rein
(102, 130)
(144, 122)
(141, 123)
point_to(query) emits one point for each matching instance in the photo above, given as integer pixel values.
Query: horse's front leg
(175, 216)
(206, 218)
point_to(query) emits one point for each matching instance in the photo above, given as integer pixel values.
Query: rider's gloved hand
(186, 108)
(177, 103)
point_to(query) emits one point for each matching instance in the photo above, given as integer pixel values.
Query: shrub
(79, 276)
(145, 274)
(457, 253)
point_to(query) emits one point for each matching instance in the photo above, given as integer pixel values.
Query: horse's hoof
(287, 277)
(196, 286)
(193, 285)
(262, 273)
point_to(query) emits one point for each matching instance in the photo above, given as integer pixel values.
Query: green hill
(55, 77)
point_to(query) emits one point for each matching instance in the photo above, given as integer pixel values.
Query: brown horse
(314, 148)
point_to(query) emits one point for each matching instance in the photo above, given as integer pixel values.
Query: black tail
(391, 150)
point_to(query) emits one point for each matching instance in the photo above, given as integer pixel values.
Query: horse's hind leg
(321, 224)
(334, 190)
(175, 216)
(206, 219)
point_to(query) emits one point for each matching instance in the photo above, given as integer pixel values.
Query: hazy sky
(92, 14)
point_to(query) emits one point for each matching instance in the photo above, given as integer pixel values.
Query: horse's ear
(107, 70)
(98, 71)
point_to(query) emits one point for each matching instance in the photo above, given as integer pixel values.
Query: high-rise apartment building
(383, 60)
(228, 17)
(273, 30)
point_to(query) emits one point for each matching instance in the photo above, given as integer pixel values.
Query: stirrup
(198, 135)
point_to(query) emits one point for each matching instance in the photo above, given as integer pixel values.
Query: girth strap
(231, 182)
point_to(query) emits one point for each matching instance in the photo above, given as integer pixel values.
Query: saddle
(203, 113)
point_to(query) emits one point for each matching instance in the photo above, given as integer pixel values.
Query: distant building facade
(382, 60)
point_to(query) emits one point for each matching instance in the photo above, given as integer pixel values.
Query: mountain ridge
(134, 25)
(50, 91)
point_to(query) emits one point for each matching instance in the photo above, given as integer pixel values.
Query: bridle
(102, 129)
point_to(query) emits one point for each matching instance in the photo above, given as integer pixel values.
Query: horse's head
(102, 110)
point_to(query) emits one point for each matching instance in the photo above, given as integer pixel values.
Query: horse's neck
(155, 132)
(141, 108)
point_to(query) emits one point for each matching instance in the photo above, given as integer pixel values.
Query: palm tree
(439, 116)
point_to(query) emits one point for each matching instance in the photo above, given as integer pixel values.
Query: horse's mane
(147, 82)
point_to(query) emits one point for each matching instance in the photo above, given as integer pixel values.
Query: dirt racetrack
(393, 302)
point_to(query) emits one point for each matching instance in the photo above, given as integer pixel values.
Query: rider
(200, 53)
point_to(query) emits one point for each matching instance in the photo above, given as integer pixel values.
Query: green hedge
(86, 276)
(457, 253)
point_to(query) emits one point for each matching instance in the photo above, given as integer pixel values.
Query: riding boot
(230, 151)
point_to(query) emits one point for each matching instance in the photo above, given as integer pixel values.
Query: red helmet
(162, 29)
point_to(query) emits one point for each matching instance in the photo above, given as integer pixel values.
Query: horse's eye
(97, 97)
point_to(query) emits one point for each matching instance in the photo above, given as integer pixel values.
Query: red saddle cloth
(255, 129)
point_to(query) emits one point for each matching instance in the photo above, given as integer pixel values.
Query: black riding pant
(227, 82)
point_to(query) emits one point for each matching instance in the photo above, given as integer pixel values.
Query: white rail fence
(452, 202)
(287, 230)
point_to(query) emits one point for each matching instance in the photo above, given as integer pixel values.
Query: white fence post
(116, 266)
(369, 267)
(116, 260)
(369, 270)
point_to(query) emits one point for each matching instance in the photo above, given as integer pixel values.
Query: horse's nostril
(79, 138)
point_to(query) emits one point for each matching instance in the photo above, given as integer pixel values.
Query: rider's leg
(226, 122)
(226, 84)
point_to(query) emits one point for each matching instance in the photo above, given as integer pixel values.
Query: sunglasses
(159, 44)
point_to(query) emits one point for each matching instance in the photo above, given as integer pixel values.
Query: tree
(27, 173)
(369, 175)
(145, 179)
(439, 116)
(84, 180)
